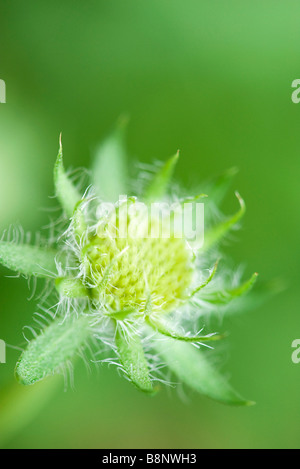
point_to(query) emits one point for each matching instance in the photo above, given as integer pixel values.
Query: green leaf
(207, 281)
(66, 192)
(193, 368)
(71, 288)
(166, 330)
(263, 292)
(28, 260)
(218, 187)
(159, 184)
(78, 219)
(215, 234)
(225, 296)
(52, 349)
(132, 358)
(109, 171)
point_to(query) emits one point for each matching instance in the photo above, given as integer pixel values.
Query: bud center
(126, 272)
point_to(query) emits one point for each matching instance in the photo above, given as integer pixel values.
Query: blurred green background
(213, 78)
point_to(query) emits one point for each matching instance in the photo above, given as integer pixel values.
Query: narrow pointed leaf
(79, 223)
(52, 349)
(215, 234)
(207, 281)
(109, 170)
(193, 368)
(225, 296)
(264, 291)
(28, 260)
(167, 331)
(159, 184)
(132, 358)
(218, 187)
(66, 192)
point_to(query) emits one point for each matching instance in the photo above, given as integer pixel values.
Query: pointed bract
(219, 186)
(215, 234)
(207, 281)
(28, 260)
(109, 172)
(78, 220)
(168, 331)
(225, 296)
(132, 358)
(192, 367)
(52, 349)
(65, 190)
(161, 180)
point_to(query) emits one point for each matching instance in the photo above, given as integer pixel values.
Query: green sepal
(218, 187)
(263, 292)
(215, 234)
(225, 296)
(28, 260)
(52, 349)
(78, 219)
(133, 360)
(159, 184)
(193, 368)
(109, 171)
(71, 288)
(65, 190)
(167, 331)
(207, 281)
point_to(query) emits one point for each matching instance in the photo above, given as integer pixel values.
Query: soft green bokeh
(213, 78)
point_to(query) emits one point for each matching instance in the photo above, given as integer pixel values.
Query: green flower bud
(127, 280)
